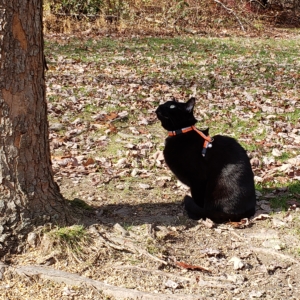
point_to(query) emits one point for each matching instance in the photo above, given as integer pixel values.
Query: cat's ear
(206, 131)
(190, 104)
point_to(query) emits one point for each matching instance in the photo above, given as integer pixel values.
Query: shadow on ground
(160, 214)
(173, 214)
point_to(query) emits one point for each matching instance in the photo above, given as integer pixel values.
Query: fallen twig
(237, 235)
(125, 244)
(215, 284)
(146, 253)
(3, 267)
(184, 265)
(231, 12)
(156, 272)
(274, 253)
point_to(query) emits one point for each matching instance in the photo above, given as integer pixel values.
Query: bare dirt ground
(159, 251)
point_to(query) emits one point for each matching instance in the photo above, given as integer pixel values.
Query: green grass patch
(69, 239)
(281, 199)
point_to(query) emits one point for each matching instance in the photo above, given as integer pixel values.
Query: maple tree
(28, 194)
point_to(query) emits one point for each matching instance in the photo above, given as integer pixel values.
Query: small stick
(184, 265)
(231, 12)
(122, 244)
(157, 272)
(271, 252)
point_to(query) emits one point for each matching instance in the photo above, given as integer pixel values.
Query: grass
(69, 239)
(151, 247)
(281, 198)
(243, 86)
(184, 57)
(284, 156)
(295, 188)
(219, 49)
(293, 116)
(127, 226)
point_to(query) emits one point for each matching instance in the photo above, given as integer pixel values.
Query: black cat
(217, 169)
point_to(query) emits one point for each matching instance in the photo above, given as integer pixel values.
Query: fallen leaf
(261, 217)
(278, 222)
(288, 217)
(171, 284)
(144, 186)
(210, 252)
(121, 162)
(237, 263)
(208, 223)
(89, 161)
(242, 224)
(266, 207)
(158, 156)
(256, 294)
(191, 267)
(123, 114)
(276, 152)
(111, 116)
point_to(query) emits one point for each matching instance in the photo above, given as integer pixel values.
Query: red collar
(207, 139)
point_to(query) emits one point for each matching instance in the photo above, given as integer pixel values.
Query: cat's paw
(194, 211)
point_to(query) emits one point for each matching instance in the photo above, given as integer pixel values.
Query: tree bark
(29, 195)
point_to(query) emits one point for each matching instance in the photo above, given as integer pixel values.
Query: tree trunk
(28, 194)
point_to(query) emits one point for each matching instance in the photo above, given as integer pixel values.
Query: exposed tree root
(108, 290)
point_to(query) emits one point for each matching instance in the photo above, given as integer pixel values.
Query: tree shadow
(173, 213)
(160, 214)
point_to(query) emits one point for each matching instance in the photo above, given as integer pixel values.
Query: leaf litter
(107, 152)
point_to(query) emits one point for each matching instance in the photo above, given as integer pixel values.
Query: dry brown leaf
(242, 224)
(237, 263)
(111, 116)
(184, 265)
(89, 161)
(208, 223)
(112, 128)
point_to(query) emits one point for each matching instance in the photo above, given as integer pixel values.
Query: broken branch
(231, 12)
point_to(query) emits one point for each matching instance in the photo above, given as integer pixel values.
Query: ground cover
(106, 151)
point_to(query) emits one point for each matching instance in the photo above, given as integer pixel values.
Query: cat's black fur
(221, 183)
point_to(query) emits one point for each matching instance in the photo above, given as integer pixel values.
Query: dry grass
(161, 17)
(67, 242)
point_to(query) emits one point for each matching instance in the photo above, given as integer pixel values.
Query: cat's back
(228, 159)
(227, 148)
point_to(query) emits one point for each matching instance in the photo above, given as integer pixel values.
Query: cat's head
(176, 115)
